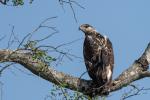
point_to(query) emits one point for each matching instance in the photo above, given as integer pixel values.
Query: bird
(98, 55)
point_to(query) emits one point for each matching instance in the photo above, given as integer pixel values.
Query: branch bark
(138, 70)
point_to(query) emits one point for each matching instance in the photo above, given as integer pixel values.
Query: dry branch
(138, 70)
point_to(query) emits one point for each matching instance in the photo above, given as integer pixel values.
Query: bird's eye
(86, 26)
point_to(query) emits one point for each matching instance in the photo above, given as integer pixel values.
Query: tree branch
(136, 71)
(3, 2)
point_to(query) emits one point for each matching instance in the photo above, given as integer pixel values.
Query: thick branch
(41, 69)
(135, 72)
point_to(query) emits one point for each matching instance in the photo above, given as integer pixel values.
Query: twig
(47, 37)
(64, 44)
(71, 2)
(22, 71)
(56, 49)
(3, 2)
(6, 66)
(82, 74)
(74, 15)
(13, 38)
(77, 4)
(129, 94)
(29, 35)
(47, 19)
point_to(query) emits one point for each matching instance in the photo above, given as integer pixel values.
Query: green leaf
(17, 2)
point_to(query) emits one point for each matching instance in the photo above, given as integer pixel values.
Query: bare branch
(41, 25)
(50, 35)
(77, 4)
(64, 44)
(135, 72)
(5, 67)
(62, 53)
(24, 72)
(133, 92)
(3, 2)
(71, 2)
(13, 38)
(74, 15)
(48, 19)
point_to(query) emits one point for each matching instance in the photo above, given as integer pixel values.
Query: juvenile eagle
(98, 55)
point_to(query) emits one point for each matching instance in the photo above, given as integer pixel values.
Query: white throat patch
(90, 37)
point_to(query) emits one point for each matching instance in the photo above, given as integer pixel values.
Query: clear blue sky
(125, 22)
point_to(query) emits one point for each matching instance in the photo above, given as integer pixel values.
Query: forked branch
(138, 70)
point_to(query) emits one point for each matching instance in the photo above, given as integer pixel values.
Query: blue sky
(125, 22)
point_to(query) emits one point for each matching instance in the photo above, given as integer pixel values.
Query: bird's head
(87, 29)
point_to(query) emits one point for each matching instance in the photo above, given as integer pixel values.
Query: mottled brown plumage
(98, 55)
